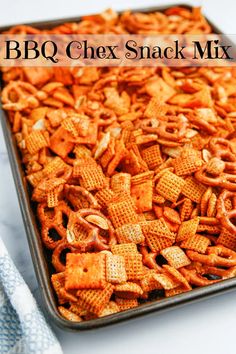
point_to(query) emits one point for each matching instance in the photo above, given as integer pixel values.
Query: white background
(206, 327)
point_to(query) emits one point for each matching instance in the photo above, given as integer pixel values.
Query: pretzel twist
(93, 240)
(26, 96)
(223, 149)
(224, 180)
(224, 215)
(52, 219)
(216, 256)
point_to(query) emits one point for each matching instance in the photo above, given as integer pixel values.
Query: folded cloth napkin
(23, 329)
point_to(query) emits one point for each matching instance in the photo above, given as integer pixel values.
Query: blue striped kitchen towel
(23, 329)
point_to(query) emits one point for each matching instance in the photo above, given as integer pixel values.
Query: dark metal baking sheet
(39, 255)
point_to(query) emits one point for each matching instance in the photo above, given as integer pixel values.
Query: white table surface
(206, 327)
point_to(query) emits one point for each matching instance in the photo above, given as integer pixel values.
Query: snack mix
(132, 170)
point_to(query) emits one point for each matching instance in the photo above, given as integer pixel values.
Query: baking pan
(40, 255)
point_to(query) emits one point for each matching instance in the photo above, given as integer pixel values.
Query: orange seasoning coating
(133, 170)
